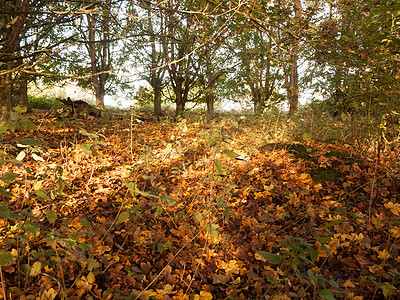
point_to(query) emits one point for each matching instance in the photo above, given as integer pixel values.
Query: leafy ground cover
(232, 207)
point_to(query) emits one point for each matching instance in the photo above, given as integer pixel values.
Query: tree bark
(100, 68)
(23, 89)
(180, 100)
(211, 77)
(156, 76)
(8, 55)
(292, 84)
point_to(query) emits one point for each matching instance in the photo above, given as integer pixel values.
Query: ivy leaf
(6, 258)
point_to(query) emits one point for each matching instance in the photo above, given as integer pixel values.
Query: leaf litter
(195, 209)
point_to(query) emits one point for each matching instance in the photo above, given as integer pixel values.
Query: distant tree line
(203, 51)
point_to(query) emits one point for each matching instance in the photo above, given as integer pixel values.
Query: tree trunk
(98, 78)
(257, 100)
(23, 90)
(6, 88)
(211, 77)
(156, 77)
(11, 36)
(293, 89)
(157, 99)
(180, 100)
(210, 102)
(293, 84)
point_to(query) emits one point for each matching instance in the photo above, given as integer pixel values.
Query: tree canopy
(206, 51)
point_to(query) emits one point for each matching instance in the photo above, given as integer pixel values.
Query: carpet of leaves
(196, 209)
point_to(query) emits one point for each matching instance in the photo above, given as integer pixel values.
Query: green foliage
(144, 96)
(44, 102)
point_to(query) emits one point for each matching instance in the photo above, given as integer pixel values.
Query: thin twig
(3, 285)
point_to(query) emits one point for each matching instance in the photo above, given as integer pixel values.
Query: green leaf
(42, 195)
(159, 211)
(26, 124)
(272, 258)
(30, 142)
(314, 254)
(326, 294)
(334, 223)
(345, 117)
(6, 213)
(230, 153)
(168, 200)
(60, 186)
(3, 127)
(6, 258)
(51, 216)
(86, 223)
(9, 177)
(218, 165)
(90, 135)
(307, 136)
(323, 239)
(5, 193)
(168, 149)
(20, 109)
(30, 227)
(123, 216)
(311, 276)
(131, 185)
(212, 230)
(333, 283)
(86, 148)
(388, 289)
(92, 264)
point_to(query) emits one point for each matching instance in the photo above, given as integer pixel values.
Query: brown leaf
(220, 279)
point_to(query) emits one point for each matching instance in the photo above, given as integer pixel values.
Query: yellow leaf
(91, 278)
(318, 187)
(394, 208)
(395, 232)
(293, 199)
(237, 280)
(180, 296)
(203, 296)
(384, 255)
(348, 284)
(352, 297)
(231, 267)
(36, 268)
(49, 295)
(375, 268)
(258, 256)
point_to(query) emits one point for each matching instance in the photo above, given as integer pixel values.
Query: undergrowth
(233, 206)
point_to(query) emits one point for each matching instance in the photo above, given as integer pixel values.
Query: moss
(322, 175)
(337, 154)
(299, 151)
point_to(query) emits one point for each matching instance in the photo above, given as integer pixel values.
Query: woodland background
(149, 203)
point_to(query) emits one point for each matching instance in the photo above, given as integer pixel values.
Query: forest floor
(196, 208)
